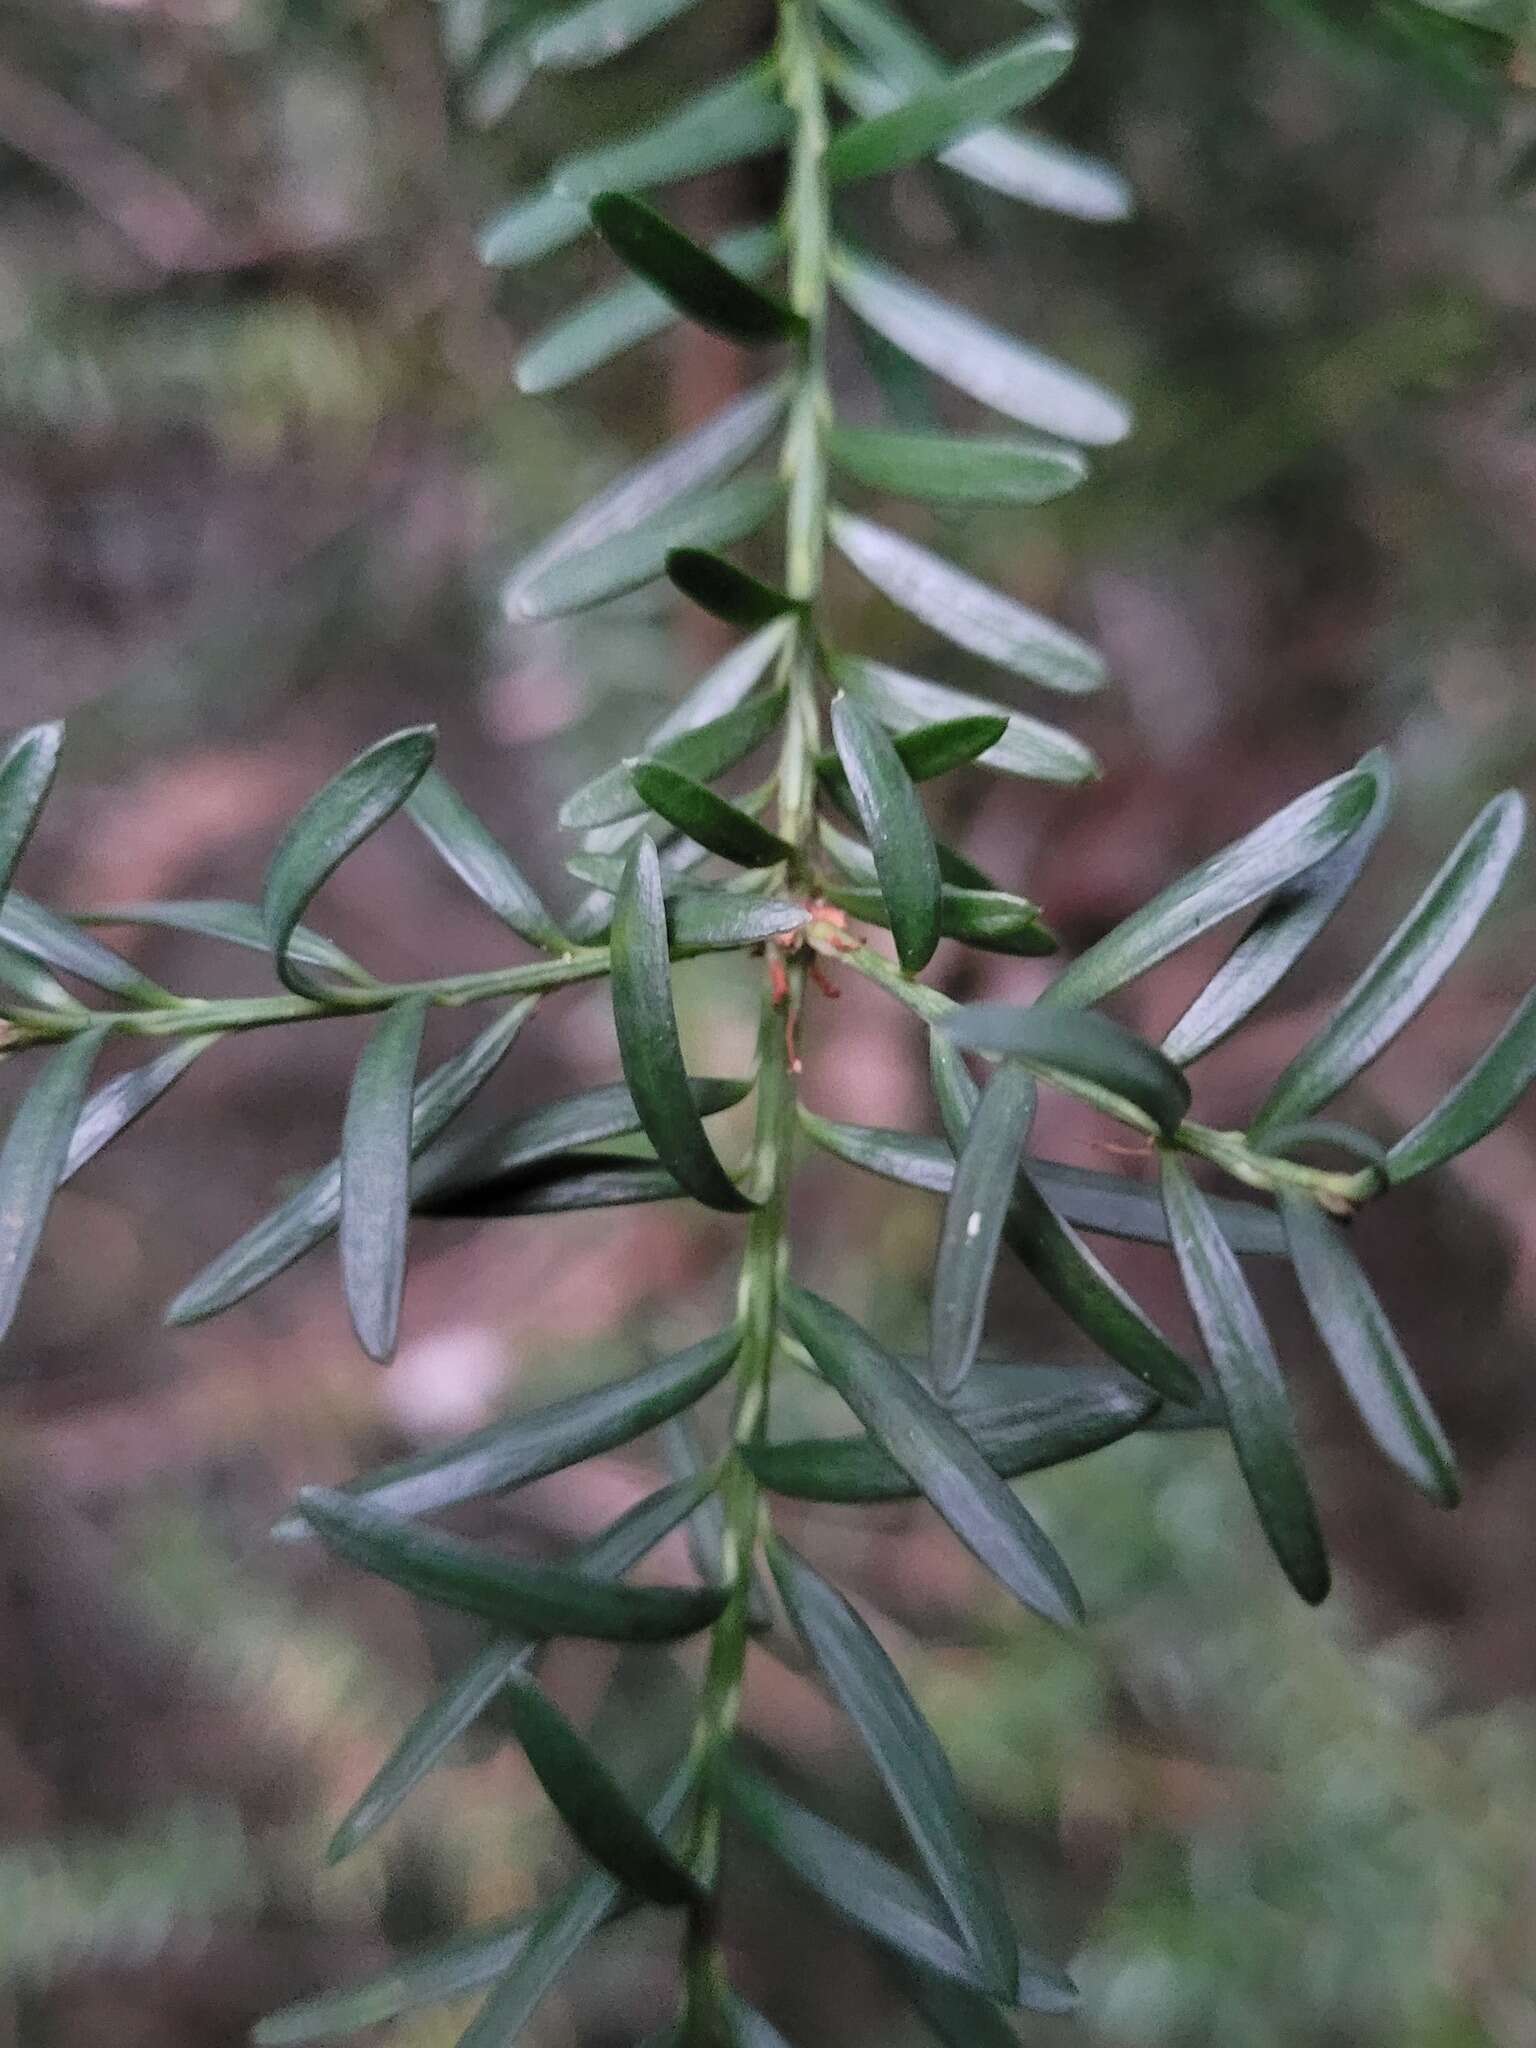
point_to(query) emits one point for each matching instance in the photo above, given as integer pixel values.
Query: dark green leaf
(121, 1101)
(1083, 1053)
(907, 703)
(598, 30)
(925, 123)
(633, 501)
(703, 752)
(481, 863)
(308, 1217)
(892, 816)
(33, 1158)
(240, 924)
(711, 821)
(639, 554)
(970, 613)
(973, 1224)
(376, 1176)
(906, 1753)
(599, 1179)
(60, 944)
(928, 750)
(991, 367)
(1021, 1418)
(1478, 1103)
(739, 119)
(1407, 970)
(461, 1702)
(864, 1888)
(936, 1454)
(944, 469)
(696, 282)
(958, 2016)
(986, 918)
(605, 326)
(717, 586)
(1264, 860)
(334, 822)
(1253, 1393)
(529, 1446)
(1364, 1347)
(27, 770)
(538, 1600)
(1281, 932)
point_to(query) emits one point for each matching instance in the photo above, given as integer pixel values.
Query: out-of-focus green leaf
(32, 985)
(990, 367)
(540, 1600)
(639, 554)
(649, 1049)
(1264, 860)
(923, 124)
(946, 469)
(1478, 1103)
(598, 30)
(59, 943)
(309, 1216)
(864, 1888)
(702, 288)
(27, 769)
(968, 612)
(1364, 1347)
(717, 586)
(703, 751)
(936, 1455)
(603, 327)
(906, 1753)
(33, 1159)
(1281, 932)
(335, 821)
(376, 1176)
(535, 224)
(1252, 1391)
(421, 1978)
(480, 861)
(741, 118)
(239, 924)
(1021, 1418)
(1408, 969)
(973, 1224)
(710, 820)
(905, 702)
(122, 1101)
(892, 815)
(1082, 1052)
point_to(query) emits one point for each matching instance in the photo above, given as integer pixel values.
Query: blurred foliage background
(262, 469)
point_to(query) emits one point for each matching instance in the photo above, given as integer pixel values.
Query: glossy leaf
(990, 367)
(376, 1176)
(336, 821)
(1281, 932)
(874, 1895)
(961, 608)
(906, 703)
(717, 586)
(946, 469)
(988, 919)
(1364, 1347)
(1106, 1203)
(973, 1224)
(308, 1217)
(689, 277)
(923, 124)
(1252, 1391)
(713, 450)
(703, 752)
(1021, 1418)
(1263, 861)
(598, 30)
(480, 861)
(239, 924)
(59, 943)
(1478, 1103)
(123, 1100)
(927, 750)
(27, 769)
(538, 1600)
(708, 920)
(912, 1766)
(936, 1454)
(33, 1159)
(528, 1446)
(1081, 1052)
(741, 118)
(639, 554)
(599, 1179)
(711, 821)
(604, 326)
(1408, 969)
(892, 816)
